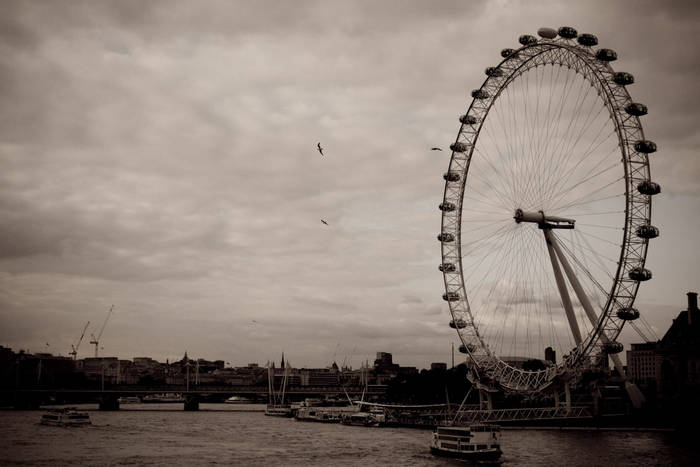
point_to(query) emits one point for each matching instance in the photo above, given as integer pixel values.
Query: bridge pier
(191, 402)
(110, 402)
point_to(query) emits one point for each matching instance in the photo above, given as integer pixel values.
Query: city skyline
(162, 158)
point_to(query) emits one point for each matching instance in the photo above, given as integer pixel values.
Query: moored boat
(279, 411)
(360, 419)
(68, 416)
(479, 442)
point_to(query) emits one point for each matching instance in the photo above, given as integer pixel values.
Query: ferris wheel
(546, 216)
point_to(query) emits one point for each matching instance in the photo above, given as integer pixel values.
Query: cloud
(161, 157)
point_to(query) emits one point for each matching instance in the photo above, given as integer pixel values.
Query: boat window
(481, 446)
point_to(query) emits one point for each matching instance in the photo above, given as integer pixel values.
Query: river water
(219, 434)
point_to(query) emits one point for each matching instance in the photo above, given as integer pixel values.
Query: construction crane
(96, 340)
(74, 351)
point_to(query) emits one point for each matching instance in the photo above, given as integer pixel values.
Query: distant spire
(282, 366)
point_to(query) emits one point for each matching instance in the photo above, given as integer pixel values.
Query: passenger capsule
(623, 78)
(647, 187)
(636, 109)
(587, 40)
(505, 53)
(458, 324)
(447, 207)
(447, 267)
(446, 237)
(464, 348)
(450, 296)
(606, 55)
(640, 274)
(451, 176)
(645, 146)
(459, 147)
(494, 71)
(480, 94)
(547, 33)
(628, 314)
(468, 119)
(527, 39)
(612, 347)
(568, 32)
(647, 231)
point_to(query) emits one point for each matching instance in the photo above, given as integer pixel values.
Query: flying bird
(320, 149)
(435, 149)
(324, 222)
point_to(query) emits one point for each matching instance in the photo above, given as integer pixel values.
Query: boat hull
(486, 455)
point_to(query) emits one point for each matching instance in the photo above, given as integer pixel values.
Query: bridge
(30, 398)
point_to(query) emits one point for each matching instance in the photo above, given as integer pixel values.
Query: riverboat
(477, 442)
(279, 411)
(67, 416)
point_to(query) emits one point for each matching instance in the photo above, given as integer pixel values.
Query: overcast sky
(161, 157)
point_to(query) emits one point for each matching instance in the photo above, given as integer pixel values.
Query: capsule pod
(612, 347)
(447, 267)
(459, 147)
(647, 231)
(628, 314)
(547, 33)
(468, 119)
(645, 146)
(451, 176)
(640, 274)
(587, 40)
(606, 55)
(494, 70)
(446, 237)
(505, 53)
(647, 187)
(467, 348)
(636, 109)
(458, 324)
(568, 32)
(447, 206)
(480, 94)
(623, 78)
(450, 296)
(527, 39)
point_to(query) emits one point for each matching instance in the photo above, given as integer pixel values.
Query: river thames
(219, 434)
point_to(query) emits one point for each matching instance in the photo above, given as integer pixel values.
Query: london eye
(546, 213)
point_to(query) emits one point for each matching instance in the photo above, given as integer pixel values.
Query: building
(438, 366)
(671, 365)
(644, 363)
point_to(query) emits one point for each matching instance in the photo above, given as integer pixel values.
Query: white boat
(68, 416)
(238, 400)
(129, 400)
(479, 442)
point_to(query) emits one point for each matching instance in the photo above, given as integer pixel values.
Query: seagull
(324, 222)
(320, 149)
(435, 149)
